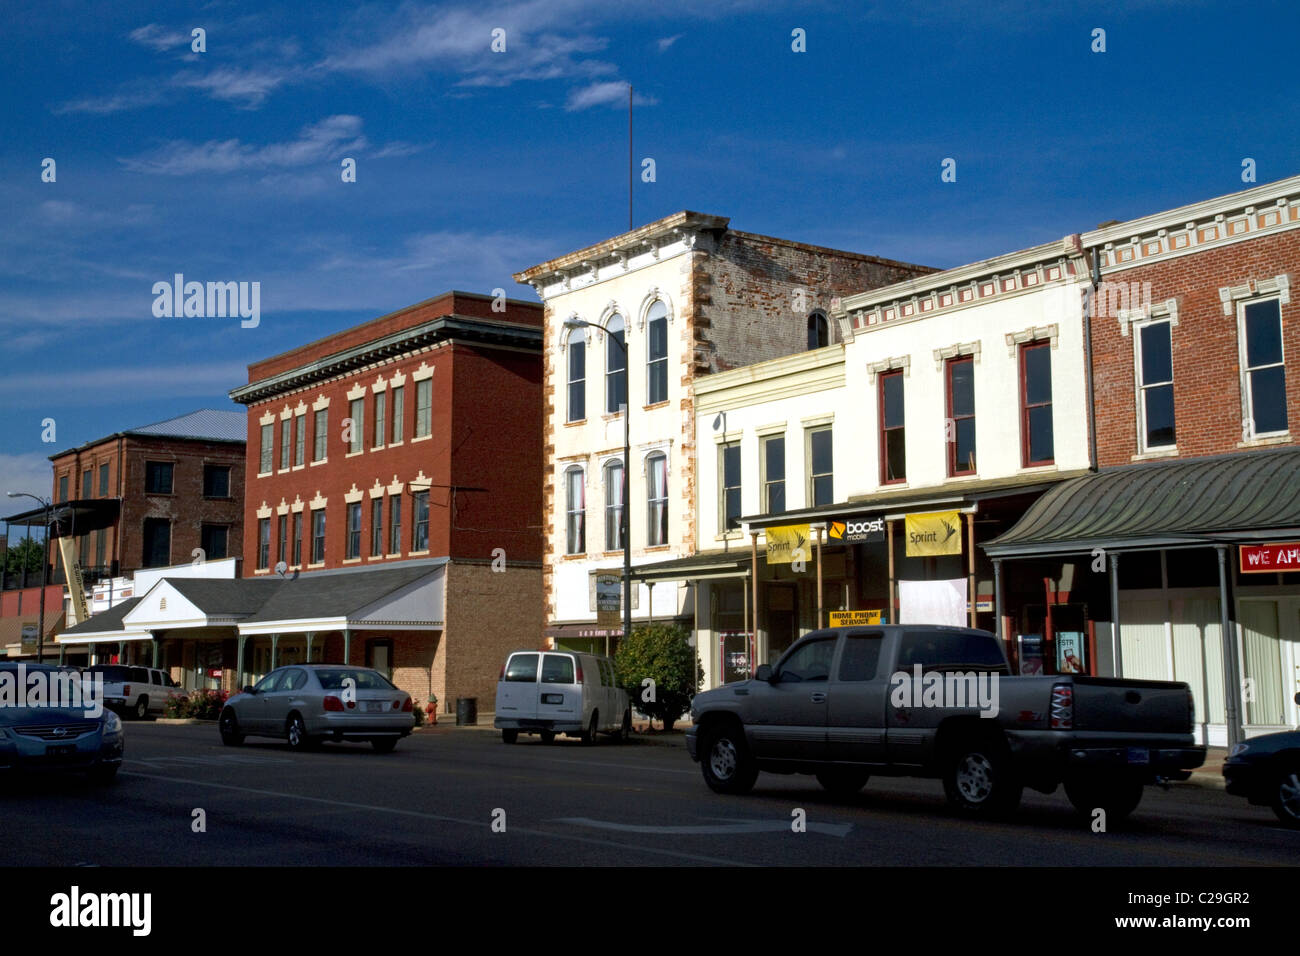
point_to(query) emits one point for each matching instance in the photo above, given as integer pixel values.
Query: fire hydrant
(433, 709)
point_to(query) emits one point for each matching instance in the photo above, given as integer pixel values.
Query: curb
(175, 721)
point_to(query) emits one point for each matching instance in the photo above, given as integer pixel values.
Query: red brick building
(414, 438)
(1196, 396)
(178, 485)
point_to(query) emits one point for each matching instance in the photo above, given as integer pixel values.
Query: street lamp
(575, 323)
(45, 555)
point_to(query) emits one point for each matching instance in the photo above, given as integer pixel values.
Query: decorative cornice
(1033, 334)
(1280, 284)
(953, 351)
(1148, 310)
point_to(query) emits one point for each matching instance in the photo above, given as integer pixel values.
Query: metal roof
(207, 423)
(1245, 496)
(338, 593)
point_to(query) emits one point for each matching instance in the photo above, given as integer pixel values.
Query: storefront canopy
(699, 567)
(72, 517)
(1224, 499)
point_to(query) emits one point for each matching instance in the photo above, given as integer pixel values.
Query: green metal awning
(1224, 499)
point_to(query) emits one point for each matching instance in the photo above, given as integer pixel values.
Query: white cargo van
(560, 692)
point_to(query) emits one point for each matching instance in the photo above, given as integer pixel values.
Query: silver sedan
(309, 703)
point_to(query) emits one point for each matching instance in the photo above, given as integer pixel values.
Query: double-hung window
(1153, 343)
(821, 466)
(657, 353)
(893, 431)
(1036, 433)
(729, 486)
(1263, 371)
(575, 512)
(959, 431)
(773, 461)
(656, 474)
(614, 506)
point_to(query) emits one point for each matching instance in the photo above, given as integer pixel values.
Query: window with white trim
(1154, 360)
(575, 512)
(576, 349)
(615, 365)
(614, 506)
(656, 474)
(657, 353)
(1263, 370)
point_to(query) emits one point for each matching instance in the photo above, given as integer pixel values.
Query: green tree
(26, 552)
(660, 653)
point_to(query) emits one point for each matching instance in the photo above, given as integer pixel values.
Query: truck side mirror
(764, 672)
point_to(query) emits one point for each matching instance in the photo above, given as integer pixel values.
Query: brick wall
(489, 614)
(1207, 382)
(185, 507)
(745, 295)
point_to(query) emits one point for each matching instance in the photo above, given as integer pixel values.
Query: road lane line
(715, 861)
(840, 830)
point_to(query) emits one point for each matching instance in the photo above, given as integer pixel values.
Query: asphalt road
(434, 801)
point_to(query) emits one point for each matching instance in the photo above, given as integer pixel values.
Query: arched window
(656, 474)
(657, 354)
(818, 330)
(576, 346)
(614, 506)
(615, 365)
(575, 512)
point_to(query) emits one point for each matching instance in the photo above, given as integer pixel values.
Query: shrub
(199, 704)
(661, 653)
(418, 711)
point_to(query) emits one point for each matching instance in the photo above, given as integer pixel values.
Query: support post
(998, 627)
(239, 662)
(275, 651)
(1117, 641)
(753, 567)
(347, 645)
(310, 637)
(892, 617)
(817, 543)
(1231, 665)
(155, 642)
(970, 565)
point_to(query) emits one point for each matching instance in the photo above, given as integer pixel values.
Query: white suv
(138, 691)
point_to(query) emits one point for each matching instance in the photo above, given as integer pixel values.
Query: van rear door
(517, 689)
(560, 689)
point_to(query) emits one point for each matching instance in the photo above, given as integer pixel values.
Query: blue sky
(471, 164)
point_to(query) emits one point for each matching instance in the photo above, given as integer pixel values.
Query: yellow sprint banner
(787, 544)
(933, 533)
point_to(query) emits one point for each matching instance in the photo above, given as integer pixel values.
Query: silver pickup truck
(928, 701)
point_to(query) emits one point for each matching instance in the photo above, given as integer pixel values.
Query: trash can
(466, 711)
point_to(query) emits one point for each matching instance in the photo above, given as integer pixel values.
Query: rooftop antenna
(630, 162)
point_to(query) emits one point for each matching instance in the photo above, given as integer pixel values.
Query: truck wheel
(590, 736)
(142, 707)
(1117, 795)
(548, 736)
(979, 779)
(1286, 796)
(509, 736)
(843, 781)
(725, 760)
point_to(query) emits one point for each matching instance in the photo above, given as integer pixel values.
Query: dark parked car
(57, 735)
(1266, 771)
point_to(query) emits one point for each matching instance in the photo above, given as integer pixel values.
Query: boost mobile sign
(855, 530)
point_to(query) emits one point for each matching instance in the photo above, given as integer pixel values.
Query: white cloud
(608, 93)
(113, 103)
(318, 142)
(159, 37)
(665, 42)
(249, 87)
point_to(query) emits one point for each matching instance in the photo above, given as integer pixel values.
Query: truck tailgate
(1138, 706)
